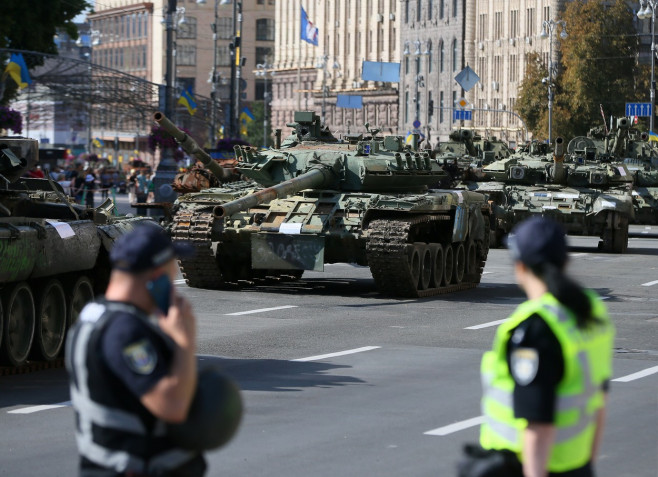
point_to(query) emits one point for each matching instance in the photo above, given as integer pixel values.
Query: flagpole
(299, 60)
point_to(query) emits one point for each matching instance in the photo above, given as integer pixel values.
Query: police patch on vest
(524, 363)
(141, 357)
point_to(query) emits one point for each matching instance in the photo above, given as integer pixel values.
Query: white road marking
(640, 374)
(605, 298)
(485, 325)
(649, 284)
(180, 281)
(340, 353)
(457, 426)
(486, 273)
(574, 255)
(261, 310)
(43, 407)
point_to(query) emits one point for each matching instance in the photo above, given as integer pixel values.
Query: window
(442, 55)
(513, 68)
(418, 10)
(186, 55)
(406, 11)
(530, 22)
(482, 27)
(547, 14)
(406, 65)
(406, 106)
(265, 29)
(454, 99)
(187, 29)
(429, 9)
(514, 24)
(441, 105)
(264, 55)
(224, 28)
(454, 7)
(429, 56)
(223, 55)
(441, 3)
(454, 55)
(498, 25)
(430, 109)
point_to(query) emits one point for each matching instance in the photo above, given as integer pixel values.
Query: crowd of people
(83, 182)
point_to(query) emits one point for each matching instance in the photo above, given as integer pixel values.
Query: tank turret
(365, 198)
(17, 156)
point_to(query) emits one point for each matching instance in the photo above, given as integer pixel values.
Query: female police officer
(546, 378)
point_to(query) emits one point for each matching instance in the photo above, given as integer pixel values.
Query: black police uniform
(536, 400)
(114, 356)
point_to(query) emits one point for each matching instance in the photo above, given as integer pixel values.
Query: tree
(32, 26)
(599, 59)
(532, 102)
(255, 128)
(597, 67)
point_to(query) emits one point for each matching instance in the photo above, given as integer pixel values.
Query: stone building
(431, 41)
(499, 36)
(308, 77)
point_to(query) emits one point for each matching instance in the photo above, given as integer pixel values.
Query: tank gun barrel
(190, 146)
(317, 177)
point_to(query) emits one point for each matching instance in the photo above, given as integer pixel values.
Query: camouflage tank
(364, 200)
(588, 199)
(53, 256)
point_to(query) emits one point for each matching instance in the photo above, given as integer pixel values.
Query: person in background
(546, 379)
(89, 186)
(141, 191)
(78, 182)
(106, 182)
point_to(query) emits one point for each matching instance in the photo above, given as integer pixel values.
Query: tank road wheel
(449, 264)
(19, 325)
(437, 264)
(425, 266)
(460, 264)
(81, 294)
(51, 320)
(415, 264)
(471, 262)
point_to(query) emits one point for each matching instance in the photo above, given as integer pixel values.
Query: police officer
(546, 379)
(132, 366)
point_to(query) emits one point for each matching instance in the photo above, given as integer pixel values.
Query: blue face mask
(160, 291)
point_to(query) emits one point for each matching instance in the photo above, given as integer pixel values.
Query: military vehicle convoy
(53, 257)
(322, 200)
(588, 199)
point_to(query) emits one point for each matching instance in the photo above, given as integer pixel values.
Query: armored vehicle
(364, 200)
(53, 256)
(588, 199)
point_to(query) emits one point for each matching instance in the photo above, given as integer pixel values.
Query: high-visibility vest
(587, 355)
(113, 430)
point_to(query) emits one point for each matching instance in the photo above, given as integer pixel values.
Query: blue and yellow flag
(246, 116)
(98, 142)
(653, 136)
(17, 69)
(187, 100)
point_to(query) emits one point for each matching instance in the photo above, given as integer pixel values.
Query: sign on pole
(638, 109)
(462, 115)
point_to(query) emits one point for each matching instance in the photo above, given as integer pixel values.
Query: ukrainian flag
(653, 136)
(17, 69)
(187, 100)
(246, 116)
(98, 142)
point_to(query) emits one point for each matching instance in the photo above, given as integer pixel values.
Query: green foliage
(255, 127)
(598, 68)
(31, 25)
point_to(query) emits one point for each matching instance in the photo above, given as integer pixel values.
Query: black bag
(479, 462)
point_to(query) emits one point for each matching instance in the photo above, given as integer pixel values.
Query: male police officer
(132, 366)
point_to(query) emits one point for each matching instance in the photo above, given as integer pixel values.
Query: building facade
(309, 77)
(499, 36)
(432, 42)
(130, 36)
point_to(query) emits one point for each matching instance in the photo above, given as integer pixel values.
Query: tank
(53, 257)
(592, 199)
(364, 200)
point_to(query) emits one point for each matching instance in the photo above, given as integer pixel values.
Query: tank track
(31, 367)
(387, 249)
(201, 270)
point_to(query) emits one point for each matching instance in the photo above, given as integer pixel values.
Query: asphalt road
(340, 381)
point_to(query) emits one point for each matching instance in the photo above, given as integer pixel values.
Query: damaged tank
(365, 200)
(592, 199)
(53, 256)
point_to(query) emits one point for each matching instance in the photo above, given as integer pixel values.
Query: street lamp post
(419, 79)
(212, 136)
(649, 11)
(547, 29)
(263, 70)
